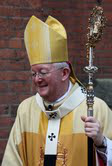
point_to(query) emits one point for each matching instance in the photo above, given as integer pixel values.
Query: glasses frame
(44, 74)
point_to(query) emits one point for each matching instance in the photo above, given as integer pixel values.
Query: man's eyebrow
(40, 70)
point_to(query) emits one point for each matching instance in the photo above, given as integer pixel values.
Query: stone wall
(103, 90)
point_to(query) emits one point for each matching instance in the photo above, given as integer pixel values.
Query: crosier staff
(96, 25)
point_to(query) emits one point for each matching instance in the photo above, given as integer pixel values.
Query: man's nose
(37, 78)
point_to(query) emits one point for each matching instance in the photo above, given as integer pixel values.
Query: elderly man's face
(48, 81)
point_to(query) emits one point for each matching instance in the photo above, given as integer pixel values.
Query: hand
(93, 129)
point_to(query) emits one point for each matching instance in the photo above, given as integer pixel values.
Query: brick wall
(15, 81)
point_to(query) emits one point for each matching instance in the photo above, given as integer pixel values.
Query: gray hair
(61, 65)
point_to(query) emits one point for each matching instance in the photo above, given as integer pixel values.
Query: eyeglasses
(43, 74)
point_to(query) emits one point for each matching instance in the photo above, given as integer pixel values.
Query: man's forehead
(38, 66)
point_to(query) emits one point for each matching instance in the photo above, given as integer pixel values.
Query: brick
(11, 33)
(3, 43)
(13, 110)
(34, 3)
(12, 54)
(61, 4)
(20, 54)
(14, 3)
(19, 22)
(13, 98)
(12, 75)
(105, 62)
(82, 5)
(1, 156)
(3, 23)
(6, 122)
(7, 53)
(107, 7)
(2, 148)
(76, 45)
(19, 12)
(107, 70)
(23, 97)
(3, 87)
(19, 33)
(12, 65)
(103, 53)
(79, 5)
(9, 24)
(20, 87)
(67, 12)
(8, 98)
(4, 109)
(15, 43)
(4, 133)
(7, 33)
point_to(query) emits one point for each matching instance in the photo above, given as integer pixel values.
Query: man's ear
(65, 73)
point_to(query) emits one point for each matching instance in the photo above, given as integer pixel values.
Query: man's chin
(43, 94)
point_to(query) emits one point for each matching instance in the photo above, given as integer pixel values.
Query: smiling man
(51, 127)
(43, 77)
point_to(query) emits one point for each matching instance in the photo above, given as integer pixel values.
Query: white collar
(71, 103)
(62, 97)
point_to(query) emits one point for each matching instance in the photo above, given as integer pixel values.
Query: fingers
(83, 118)
(95, 125)
(91, 132)
(88, 119)
(91, 126)
(92, 129)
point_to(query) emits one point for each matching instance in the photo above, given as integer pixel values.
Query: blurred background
(15, 78)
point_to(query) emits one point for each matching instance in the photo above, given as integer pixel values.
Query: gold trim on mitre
(45, 42)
